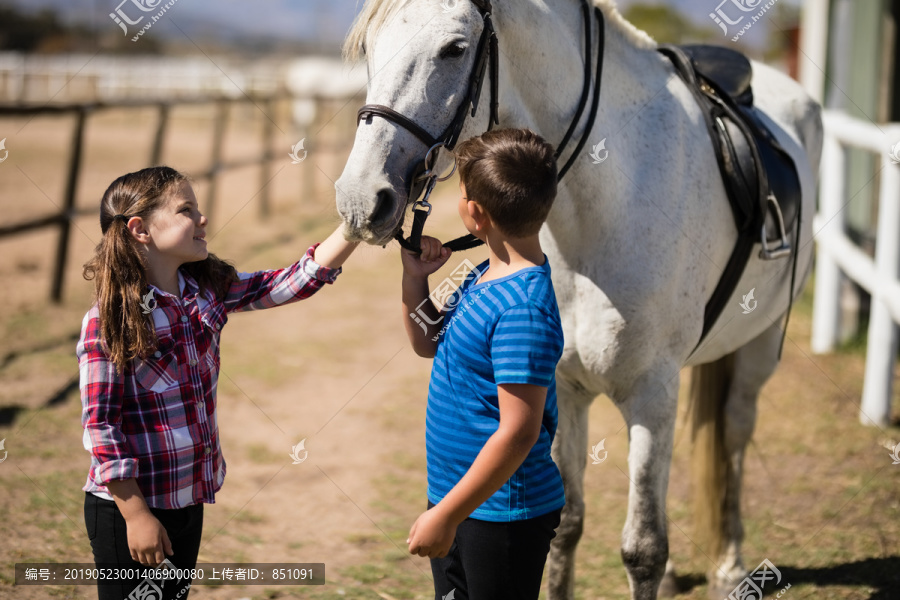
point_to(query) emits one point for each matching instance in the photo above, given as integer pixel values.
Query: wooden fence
(83, 111)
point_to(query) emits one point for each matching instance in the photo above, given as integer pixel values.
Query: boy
(495, 495)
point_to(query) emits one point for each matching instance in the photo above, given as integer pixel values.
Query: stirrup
(784, 248)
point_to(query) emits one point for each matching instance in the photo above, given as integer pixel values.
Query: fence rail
(82, 77)
(837, 255)
(217, 165)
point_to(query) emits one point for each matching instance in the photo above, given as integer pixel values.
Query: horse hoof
(668, 587)
(718, 590)
(721, 584)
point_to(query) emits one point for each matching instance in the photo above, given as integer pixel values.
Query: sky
(303, 19)
(319, 20)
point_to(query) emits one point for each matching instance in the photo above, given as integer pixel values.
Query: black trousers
(495, 561)
(109, 540)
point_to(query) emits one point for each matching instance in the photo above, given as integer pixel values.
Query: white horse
(637, 242)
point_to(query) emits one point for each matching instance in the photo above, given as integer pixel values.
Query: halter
(488, 49)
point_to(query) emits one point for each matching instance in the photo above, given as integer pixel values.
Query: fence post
(216, 161)
(826, 300)
(881, 353)
(266, 167)
(159, 139)
(308, 172)
(68, 212)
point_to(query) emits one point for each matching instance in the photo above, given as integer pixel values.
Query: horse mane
(638, 37)
(375, 13)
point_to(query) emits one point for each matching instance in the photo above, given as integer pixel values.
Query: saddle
(759, 176)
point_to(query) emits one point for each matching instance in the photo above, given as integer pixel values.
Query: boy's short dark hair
(511, 173)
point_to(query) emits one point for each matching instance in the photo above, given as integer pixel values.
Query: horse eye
(454, 50)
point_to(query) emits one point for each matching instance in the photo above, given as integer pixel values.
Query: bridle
(425, 177)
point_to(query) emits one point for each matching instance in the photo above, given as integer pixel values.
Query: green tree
(668, 25)
(19, 31)
(783, 25)
(43, 32)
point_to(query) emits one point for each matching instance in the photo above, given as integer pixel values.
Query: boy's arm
(421, 319)
(521, 412)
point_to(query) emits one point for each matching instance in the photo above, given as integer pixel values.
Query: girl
(149, 362)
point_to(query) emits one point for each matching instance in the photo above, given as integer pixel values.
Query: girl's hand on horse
(431, 535)
(432, 258)
(147, 539)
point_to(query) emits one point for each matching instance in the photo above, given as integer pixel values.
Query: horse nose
(385, 202)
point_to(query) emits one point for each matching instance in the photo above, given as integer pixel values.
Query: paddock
(821, 495)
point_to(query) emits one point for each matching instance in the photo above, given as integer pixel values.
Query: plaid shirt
(156, 421)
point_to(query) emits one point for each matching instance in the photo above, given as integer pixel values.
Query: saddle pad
(752, 163)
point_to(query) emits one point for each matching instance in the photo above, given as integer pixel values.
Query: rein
(488, 50)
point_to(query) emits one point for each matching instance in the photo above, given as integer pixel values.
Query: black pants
(495, 561)
(109, 540)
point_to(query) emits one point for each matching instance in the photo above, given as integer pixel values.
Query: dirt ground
(821, 497)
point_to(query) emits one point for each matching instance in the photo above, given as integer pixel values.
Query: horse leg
(570, 455)
(754, 364)
(668, 588)
(649, 413)
(738, 377)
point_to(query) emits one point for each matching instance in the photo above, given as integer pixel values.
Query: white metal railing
(836, 254)
(72, 78)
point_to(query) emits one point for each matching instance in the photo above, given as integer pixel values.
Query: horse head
(420, 56)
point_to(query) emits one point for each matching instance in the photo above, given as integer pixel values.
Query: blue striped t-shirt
(502, 331)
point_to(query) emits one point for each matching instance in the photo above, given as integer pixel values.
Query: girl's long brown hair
(119, 269)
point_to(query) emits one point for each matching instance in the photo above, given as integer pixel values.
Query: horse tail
(709, 388)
